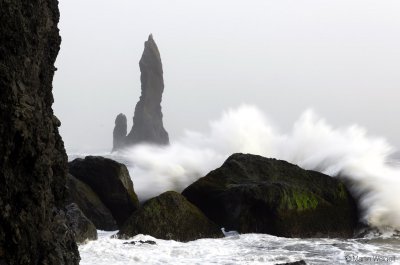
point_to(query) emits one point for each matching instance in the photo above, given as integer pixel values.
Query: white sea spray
(312, 144)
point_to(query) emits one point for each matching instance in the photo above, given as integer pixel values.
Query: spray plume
(312, 144)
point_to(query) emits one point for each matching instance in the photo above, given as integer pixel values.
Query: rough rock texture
(90, 204)
(33, 160)
(250, 193)
(120, 131)
(170, 216)
(147, 121)
(110, 180)
(83, 228)
(300, 262)
(141, 242)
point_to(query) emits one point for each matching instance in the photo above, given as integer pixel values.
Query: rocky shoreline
(47, 205)
(248, 193)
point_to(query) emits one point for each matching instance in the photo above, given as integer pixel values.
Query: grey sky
(340, 57)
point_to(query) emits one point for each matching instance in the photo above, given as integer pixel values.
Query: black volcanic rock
(120, 131)
(83, 228)
(110, 180)
(150, 242)
(147, 121)
(300, 262)
(170, 216)
(90, 204)
(253, 194)
(33, 162)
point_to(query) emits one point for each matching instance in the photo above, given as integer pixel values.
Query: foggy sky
(339, 57)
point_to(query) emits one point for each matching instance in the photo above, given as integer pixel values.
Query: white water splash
(244, 249)
(311, 144)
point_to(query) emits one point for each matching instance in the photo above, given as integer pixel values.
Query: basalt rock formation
(90, 204)
(170, 216)
(147, 121)
(119, 133)
(83, 228)
(111, 182)
(254, 194)
(33, 162)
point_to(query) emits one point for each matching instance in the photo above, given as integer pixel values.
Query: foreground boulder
(253, 194)
(33, 162)
(170, 216)
(111, 182)
(90, 204)
(82, 227)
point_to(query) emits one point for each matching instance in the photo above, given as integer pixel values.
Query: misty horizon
(338, 58)
(199, 132)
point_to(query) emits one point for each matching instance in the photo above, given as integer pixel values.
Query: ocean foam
(244, 249)
(312, 144)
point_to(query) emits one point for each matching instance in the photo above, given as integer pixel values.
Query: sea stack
(147, 121)
(119, 133)
(33, 162)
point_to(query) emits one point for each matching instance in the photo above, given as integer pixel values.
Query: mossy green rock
(170, 216)
(254, 194)
(111, 182)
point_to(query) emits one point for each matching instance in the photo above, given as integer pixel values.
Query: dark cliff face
(33, 160)
(147, 121)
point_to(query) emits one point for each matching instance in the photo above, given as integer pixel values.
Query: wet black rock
(90, 204)
(148, 118)
(83, 228)
(33, 225)
(111, 182)
(300, 262)
(149, 242)
(253, 194)
(170, 216)
(120, 131)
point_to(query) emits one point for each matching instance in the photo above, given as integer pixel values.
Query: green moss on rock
(250, 193)
(298, 200)
(170, 216)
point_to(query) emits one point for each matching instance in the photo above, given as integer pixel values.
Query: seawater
(312, 144)
(243, 249)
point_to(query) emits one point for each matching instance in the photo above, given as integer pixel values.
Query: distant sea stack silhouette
(119, 133)
(147, 122)
(33, 162)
